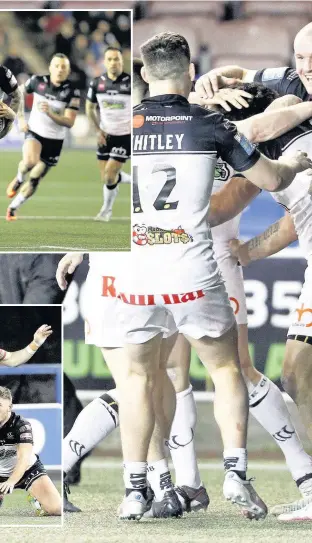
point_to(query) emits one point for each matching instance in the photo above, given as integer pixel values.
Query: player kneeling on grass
(20, 357)
(55, 106)
(20, 467)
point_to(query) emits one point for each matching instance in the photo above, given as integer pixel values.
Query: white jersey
(114, 100)
(65, 96)
(230, 229)
(297, 198)
(174, 155)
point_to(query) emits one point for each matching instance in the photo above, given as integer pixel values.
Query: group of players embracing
(200, 156)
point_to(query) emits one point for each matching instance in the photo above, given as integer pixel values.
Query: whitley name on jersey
(158, 142)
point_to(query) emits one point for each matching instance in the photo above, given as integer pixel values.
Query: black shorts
(117, 148)
(34, 472)
(51, 149)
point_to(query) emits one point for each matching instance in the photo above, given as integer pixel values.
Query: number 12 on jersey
(161, 202)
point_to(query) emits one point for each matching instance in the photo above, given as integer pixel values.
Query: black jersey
(8, 83)
(114, 101)
(15, 431)
(59, 98)
(283, 80)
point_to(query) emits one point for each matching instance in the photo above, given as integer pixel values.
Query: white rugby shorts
(197, 314)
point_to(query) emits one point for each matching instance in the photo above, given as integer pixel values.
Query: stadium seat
(161, 8)
(243, 39)
(277, 8)
(98, 6)
(147, 28)
(20, 5)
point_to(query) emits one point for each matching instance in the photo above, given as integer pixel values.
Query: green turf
(16, 510)
(100, 493)
(60, 215)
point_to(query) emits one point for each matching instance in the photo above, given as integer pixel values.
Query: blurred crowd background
(28, 39)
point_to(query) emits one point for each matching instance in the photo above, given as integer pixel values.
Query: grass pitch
(100, 493)
(17, 511)
(59, 217)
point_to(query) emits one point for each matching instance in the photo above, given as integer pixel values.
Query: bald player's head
(303, 56)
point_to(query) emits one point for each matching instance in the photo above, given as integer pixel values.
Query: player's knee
(30, 162)
(30, 187)
(54, 510)
(289, 383)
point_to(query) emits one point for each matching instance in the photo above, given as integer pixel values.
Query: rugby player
(20, 467)
(17, 358)
(166, 148)
(9, 86)
(54, 110)
(284, 80)
(111, 93)
(297, 380)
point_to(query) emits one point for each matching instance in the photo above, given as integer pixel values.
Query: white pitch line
(67, 218)
(88, 250)
(257, 466)
(81, 248)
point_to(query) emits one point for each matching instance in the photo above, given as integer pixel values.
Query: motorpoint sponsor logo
(168, 119)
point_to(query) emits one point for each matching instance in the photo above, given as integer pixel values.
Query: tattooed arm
(278, 236)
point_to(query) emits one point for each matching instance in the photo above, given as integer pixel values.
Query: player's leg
(192, 493)
(208, 323)
(117, 151)
(98, 419)
(166, 502)
(266, 402)
(45, 492)
(137, 420)
(31, 156)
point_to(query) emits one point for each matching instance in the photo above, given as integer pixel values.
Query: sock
(17, 201)
(124, 177)
(235, 459)
(159, 477)
(96, 421)
(109, 196)
(181, 442)
(20, 177)
(134, 476)
(268, 406)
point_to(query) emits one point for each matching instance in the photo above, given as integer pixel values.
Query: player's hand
(42, 334)
(44, 107)
(6, 112)
(6, 487)
(299, 162)
(239, 250)
(22, 125)
(224, 98)
(101, 137)
(68, 264)
(208, 84)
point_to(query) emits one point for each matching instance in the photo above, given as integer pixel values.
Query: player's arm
(27, 88)
(276, 120)
(223, 76)
(24, 451)
(67, 265)
(92, 113)
(231, 200)
(68, 119)
(275, 238)
(242, 155)
(17, 358)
